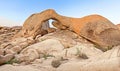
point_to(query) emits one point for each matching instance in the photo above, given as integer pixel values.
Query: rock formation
(94, 28)
(50, 51)
(107, 61)
(7, 33)
(72, 46)
(10, 49)
(118, 25)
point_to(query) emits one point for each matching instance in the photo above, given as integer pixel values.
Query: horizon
(15, 12)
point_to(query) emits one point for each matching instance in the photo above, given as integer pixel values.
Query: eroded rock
(108, 61)
(68, 43)
(94, 28)
(49, 47)
(9, 50)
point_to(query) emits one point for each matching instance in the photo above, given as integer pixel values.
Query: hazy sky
(14, 12)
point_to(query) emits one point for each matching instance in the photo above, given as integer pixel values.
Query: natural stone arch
(95, 23)
(33, 25)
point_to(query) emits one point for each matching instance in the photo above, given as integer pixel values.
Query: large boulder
(97, 29)
(47, 47)
(84, 51)
(6, 58)
(108, 61)
(66, 37)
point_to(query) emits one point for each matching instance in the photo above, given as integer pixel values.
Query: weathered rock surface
(50, 47)
(4, 30)
(50, 44)
(66, 37)
(72, 47)
(10, 49)
(87, 49)
(98, 30)
(32, 23)
(108, 61)
(26, 68)
(118, 25)
(7, 33)
(94, 28)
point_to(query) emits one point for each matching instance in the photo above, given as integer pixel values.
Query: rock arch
(33, 25)
(95, 23)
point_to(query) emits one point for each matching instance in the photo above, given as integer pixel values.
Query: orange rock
(33, 25)
(94, 28)
(118, 25)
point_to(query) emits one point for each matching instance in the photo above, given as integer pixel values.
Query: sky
(15, 12)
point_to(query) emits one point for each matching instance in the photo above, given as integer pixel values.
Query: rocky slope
(60, 49)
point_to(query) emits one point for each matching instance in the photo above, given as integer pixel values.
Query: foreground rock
(67, 38)
(26, 68)
(50, 47)
(52, 52)
(98, 61)
(9, 50)
(108, 61)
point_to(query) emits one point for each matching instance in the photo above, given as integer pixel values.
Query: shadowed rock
(5, 58)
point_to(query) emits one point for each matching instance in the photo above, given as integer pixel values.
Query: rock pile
(7, 33)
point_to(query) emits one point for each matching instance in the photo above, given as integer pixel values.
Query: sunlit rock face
(90, 43)
(94, 28)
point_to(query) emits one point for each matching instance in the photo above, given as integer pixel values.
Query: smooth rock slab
(47, 47)
(17, 68)
(108, 61)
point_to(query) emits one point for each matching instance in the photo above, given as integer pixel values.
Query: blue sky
(16, 11)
